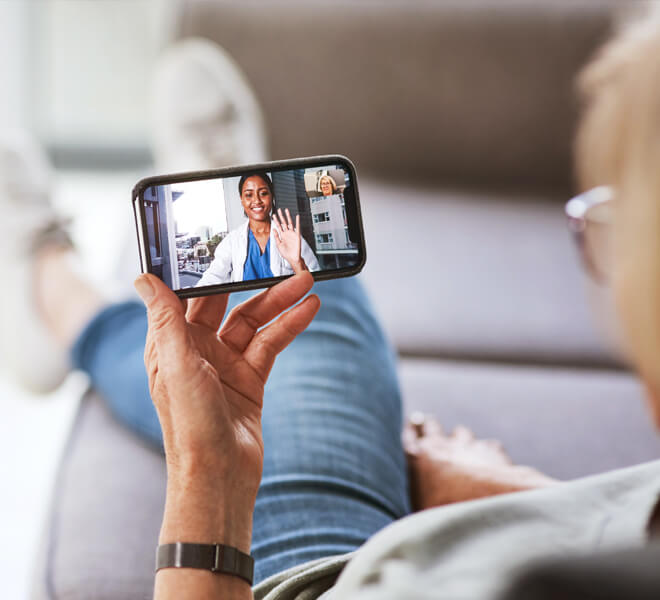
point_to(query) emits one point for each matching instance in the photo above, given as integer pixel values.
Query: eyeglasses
(589, 220)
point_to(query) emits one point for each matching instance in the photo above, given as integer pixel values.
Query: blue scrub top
(257, 265)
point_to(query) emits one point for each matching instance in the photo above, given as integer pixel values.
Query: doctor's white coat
(229, 258)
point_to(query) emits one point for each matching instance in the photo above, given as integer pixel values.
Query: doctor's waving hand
(269, 244)
(289, 240)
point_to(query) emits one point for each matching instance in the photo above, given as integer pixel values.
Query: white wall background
(78, 71)
(13, 60)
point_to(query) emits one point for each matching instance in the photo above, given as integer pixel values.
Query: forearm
(196, 584)
(200, 512)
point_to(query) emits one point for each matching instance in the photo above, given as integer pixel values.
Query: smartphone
(241, 228)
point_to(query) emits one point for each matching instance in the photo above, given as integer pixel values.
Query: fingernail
(417, 420)
(144, 288)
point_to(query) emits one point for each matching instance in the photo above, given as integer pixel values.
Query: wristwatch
(217, 558)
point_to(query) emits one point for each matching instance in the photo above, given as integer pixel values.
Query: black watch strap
(211, 557)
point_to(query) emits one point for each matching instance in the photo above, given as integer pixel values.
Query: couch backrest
(477, 92)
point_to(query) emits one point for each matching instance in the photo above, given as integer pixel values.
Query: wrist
(208, 511)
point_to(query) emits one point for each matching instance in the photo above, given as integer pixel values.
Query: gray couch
(458, 115)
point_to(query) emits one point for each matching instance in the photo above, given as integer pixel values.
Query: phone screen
(253, 226)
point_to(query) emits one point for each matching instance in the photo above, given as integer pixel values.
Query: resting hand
(287, 238)
(207, 387)
(458, 467)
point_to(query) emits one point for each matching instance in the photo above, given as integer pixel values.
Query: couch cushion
(108, 502)
(567, 422)
(468, 91)
(477, 275)
(106, 513)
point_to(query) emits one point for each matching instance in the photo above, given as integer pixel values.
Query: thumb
(167, 320)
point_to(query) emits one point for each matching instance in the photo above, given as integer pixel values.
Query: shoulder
(236, 235)
(239, 231)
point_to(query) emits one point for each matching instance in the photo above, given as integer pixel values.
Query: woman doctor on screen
(269, 244)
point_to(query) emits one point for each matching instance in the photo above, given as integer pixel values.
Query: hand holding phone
(246, 227)
(207, 385)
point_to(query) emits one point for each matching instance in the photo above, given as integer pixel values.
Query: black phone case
(355, 219)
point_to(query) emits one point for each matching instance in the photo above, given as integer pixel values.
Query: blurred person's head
(256, 191)
(327, 185)
(618, 144)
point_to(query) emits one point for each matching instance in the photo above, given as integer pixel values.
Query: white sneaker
(28, 353)
(205, 115)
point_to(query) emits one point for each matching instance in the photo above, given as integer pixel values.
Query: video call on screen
(210, 232)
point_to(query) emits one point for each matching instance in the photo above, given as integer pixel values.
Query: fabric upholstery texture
(568, 422)
(107, 508)
(478, 275)
(477, 92)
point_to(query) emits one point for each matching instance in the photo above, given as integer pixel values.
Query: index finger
(270, 341)
(208, 310)
(244, 320)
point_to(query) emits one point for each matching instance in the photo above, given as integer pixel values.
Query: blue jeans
(334, 470)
